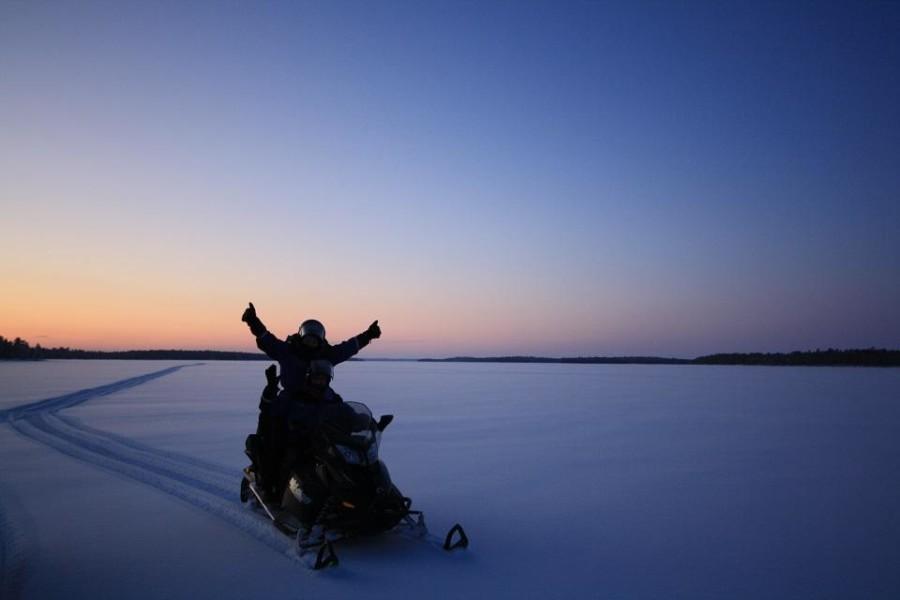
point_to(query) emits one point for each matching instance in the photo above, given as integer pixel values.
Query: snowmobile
(361, 498)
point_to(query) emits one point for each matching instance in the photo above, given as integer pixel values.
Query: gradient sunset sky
(557, 179)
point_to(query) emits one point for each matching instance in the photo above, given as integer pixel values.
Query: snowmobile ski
(318, 556)
(326, 557)
(413, 526)
(462, 540)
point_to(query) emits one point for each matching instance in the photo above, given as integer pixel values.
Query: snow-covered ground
(575, 481)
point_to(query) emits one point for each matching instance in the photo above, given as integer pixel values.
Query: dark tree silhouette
(19, 349)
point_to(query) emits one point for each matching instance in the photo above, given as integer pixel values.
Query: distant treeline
(19, 349)
(595, 360)
(869, 357)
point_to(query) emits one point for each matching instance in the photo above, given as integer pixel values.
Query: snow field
(571, 480)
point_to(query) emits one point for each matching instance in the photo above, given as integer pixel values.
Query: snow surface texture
(585, 481)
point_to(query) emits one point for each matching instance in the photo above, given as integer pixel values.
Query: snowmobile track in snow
(75, 398)
(209, 487)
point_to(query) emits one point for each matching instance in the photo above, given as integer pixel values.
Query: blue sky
(513, 177)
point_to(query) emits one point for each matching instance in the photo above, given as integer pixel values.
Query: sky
(484, 178)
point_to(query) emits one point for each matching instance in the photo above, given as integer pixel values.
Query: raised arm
(265, 341)
(347, 349)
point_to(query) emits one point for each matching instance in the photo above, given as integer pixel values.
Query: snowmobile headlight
(350, 456)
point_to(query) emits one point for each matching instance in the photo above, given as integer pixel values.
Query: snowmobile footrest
(461, 542)
(326, 557)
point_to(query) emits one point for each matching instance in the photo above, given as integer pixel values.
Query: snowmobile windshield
(363, 414)
(356, 437)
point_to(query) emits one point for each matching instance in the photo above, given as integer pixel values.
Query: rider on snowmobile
(317, 404)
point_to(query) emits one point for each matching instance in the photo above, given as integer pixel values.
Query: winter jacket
(306, 413)
(294, 359)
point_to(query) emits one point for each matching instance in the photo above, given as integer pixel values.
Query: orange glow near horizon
(102, 315)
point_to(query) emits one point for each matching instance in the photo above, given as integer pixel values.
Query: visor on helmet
(312, 327)
(312, 333)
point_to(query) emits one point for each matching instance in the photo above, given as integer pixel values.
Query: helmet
(309, 329)
(322, 371)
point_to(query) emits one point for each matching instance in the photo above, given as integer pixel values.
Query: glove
(374, 331)
(271, 391)
(249, 314)
(249, 317)
(272, 376)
